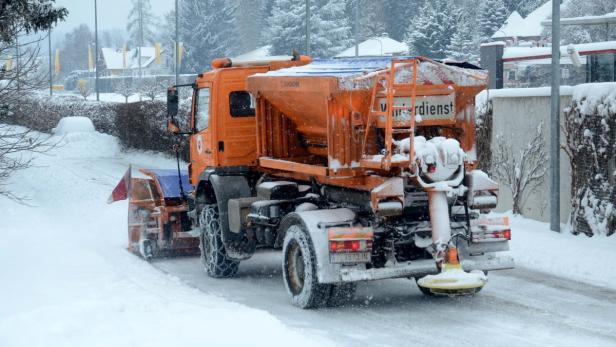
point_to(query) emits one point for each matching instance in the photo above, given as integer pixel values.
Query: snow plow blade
(158, 221)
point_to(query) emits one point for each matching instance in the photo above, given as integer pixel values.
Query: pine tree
(208, 31)
(287, 27)
(250, 23)
(330, 31)
(430, 32)
(491, 17)
(464, 45)
(398, 15)
(75, 48)
(148, 23)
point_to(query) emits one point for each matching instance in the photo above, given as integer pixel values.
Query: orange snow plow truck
(358, 169)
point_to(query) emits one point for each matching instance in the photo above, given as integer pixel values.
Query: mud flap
(237, 246)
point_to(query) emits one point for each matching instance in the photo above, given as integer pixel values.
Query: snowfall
(68, 280)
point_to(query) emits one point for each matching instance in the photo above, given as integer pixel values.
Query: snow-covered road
(517, 307)
(67, 280)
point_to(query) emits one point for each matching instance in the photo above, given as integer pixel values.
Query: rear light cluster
(350, 246)
(486, 236)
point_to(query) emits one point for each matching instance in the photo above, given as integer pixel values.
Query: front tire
(213, 254)
(299, 270)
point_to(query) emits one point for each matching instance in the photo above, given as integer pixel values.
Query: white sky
(111, 13)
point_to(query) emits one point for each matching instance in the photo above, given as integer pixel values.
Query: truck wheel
(341, 294)
(213, 254)
(299, 270)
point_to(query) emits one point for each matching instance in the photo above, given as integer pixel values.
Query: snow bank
(68, 125)
(67, 279)
(579, 258)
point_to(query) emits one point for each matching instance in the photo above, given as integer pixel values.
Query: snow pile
(68, 125)
(67, 279)
(579, 258)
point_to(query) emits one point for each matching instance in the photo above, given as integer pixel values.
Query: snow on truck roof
(348, 69)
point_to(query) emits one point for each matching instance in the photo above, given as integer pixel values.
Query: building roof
(532, 53)
(114, 57)
(377, 46)
(526, 27)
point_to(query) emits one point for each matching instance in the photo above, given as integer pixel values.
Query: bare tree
(19, 75)
(521, 172)
(17, 147)
(151, 89)
(124, 87)
(84, 89)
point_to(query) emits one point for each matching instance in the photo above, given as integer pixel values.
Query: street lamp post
(50, 70)
(356, 27)
(307, 27)
(555, 122)
(96, 51)
(177, 43)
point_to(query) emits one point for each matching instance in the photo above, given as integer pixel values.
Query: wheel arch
(315, 224)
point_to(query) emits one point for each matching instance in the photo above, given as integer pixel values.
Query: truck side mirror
(172, 102)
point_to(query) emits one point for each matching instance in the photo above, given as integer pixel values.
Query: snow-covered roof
(512, 24)
(257, 53)
(526, 27)
(377, 46)
(529, 53)
(114, 57)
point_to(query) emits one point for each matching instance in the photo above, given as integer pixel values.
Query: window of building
(202, 112)
(511, 75)
(241, 104)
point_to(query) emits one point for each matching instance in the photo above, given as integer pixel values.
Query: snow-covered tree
(492, 15)
(587, 33)
(464, 45)
(250, 21)
(330, 31)
(287, 27)
(430, 32)
(74, 48)
(208, 31)
(398, 16)
(372, 17)
(524, 7)
(140, 19)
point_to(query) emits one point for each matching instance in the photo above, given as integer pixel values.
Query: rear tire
(299, 270)
(213, 253)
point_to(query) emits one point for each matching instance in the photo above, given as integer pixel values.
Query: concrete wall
(516, 117)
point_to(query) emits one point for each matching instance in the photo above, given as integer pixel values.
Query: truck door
(201, 149)
(236, 143)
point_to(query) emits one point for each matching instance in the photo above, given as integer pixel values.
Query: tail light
(348, 246)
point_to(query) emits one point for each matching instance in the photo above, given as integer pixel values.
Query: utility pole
(307, 27)
(140, 44)
(555, 122)
(50, 70)
(356, 27)
(177, 43)
(96, 51)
